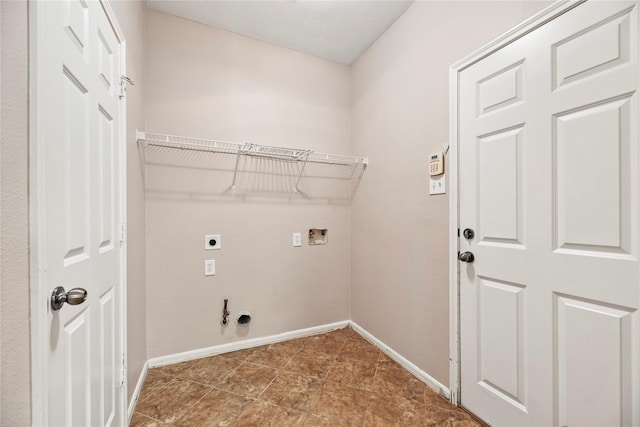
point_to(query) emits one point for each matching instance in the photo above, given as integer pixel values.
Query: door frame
(39, 292)
(531, 24)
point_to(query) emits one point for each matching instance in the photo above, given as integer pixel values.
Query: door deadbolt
(75, 296)
(468, 233)
(466, 257)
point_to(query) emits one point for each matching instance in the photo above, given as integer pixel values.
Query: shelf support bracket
(304, 164)
(235, 172)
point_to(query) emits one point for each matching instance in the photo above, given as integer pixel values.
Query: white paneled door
(78, 205)
(549, 183)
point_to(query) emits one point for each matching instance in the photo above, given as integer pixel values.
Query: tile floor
(333, 379)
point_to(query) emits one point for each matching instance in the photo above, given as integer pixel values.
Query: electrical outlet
(437, 184)
(209, 267)
(297, 239)
(212, 241)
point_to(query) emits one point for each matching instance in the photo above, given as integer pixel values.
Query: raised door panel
(500, 90)
(593, 50)
(108, 362)
(105, 185)
(77, 370)
(106, 62)
(593, 178)
(76, 24)
(500, 187)
(76, 195)
(594, 360)
(501, 345)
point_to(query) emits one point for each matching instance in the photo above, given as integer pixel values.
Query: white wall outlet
(212, 241)
(209, 267)
(297, 239)
(437, 184)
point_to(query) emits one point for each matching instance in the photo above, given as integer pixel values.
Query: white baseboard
(417, 372)
(242, 345)
(272, 339)
(136, 392)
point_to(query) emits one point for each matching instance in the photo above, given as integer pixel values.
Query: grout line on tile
(230, 373)
(268, 385)
(335, 359)
(193, 406)
(198, 382)
(377, 366)
(147, 416)
(254, 399)
(234, 393)
(268, 402)
(154, 392)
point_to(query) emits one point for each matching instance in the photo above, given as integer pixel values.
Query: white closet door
(79, 210)
(548, 156)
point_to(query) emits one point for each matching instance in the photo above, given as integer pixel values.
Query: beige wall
(15, 368)
(208, 83)
(131, 18)
(400, 289)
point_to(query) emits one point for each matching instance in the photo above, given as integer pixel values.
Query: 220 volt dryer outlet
(212, 241)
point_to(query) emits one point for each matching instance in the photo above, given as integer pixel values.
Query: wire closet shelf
(298, 155)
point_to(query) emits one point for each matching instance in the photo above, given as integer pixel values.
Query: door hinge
(124, 80)
(123, 378)
(123, 232)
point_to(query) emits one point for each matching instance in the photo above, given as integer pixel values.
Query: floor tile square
(217, 408)
(310, 364)
(209, 370)
(293, 391)
(248, 380)
(362, 351)
(275, 355)
(346, 334)
(354, 373)
(156, 380)
(171, 402)
(139, 420)
(325, 344)
(335, 420)
(263, 414)
(398, 409)
(338, 401)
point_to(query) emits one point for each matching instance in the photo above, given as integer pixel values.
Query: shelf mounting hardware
(124, 80)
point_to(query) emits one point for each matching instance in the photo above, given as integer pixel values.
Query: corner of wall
(132, 20)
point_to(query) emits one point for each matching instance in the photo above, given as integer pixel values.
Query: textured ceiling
(336, 30)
